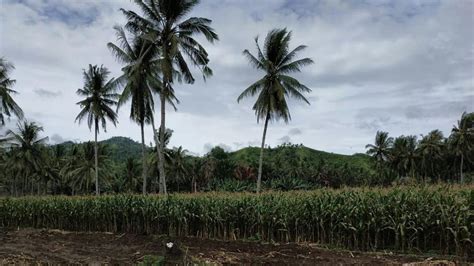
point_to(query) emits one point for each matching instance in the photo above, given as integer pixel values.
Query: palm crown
(163, 23)
(139, 78)
(275, 59)
(100, 97)
(380, 150)
(8, 106)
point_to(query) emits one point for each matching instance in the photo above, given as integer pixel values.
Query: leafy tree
(100, 97)
(273, 89)
(164, 23)
(8, 106)
(462, 139)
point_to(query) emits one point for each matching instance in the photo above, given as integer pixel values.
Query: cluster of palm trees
(157, 47)
(432, 157)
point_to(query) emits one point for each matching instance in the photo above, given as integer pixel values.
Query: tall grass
(433, 219)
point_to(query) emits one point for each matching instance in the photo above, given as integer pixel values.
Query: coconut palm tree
(178, 165)
(8, 106)
(100, 97)
(380, 150)
(431, 149)
(462, 139)
(405, 153)
(276, 61)
(26, 160)
(81, 168)
(164, 23)
(139, 79)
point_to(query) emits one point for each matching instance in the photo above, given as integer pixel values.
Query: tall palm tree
(462, 139)
(431, 150)
(276, 60)
(178, 164)
(100, 97)
(81, 170)
(405, 155)
(140, 79)
(8, 106)
(164, 23)
(26, 160)
(380, 150)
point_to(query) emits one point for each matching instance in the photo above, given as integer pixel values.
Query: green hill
(288, 154)
(122, 148)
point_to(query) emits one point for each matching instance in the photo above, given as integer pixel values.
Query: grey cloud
(209, 146)
(379, 123)
(56, 139)
(47, 93)
(294, 132)
(284, 139)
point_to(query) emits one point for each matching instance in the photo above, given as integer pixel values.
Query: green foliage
(432, 158)
(403, 218)
(8, 106)
(122, 148)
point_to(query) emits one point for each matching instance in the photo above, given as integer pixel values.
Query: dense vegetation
(31, 167)
(405, 218)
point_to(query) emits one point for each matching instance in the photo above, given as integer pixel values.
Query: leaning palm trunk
(260, 163)
(462, 162)
(96, 159)
(161, 157)
(144, 159)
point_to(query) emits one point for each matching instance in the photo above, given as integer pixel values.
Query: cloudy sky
(406, 67)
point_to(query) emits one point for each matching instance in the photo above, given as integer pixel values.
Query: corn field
(407, 219)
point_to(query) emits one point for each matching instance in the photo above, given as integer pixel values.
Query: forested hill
(295, 155)
(121, 148)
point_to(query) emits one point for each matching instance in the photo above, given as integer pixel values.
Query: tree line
(433, 157)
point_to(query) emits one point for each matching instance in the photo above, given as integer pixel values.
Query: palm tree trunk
(161, 156)
(462, 162)
(96, 154)
(260, 163)
(157, 143)
(144, 169)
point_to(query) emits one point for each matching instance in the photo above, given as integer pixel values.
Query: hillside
(289, 154)
(121, 148)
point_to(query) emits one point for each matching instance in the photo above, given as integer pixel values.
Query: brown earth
(32, 246)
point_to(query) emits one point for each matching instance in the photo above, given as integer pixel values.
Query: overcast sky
(405, 67)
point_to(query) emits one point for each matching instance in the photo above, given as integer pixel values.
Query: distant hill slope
(297, 153)
(121, 148)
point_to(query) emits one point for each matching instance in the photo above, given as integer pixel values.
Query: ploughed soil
(33, 246)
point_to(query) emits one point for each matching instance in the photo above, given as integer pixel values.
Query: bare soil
(33, 246)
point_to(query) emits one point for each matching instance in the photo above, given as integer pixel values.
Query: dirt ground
(32, 246)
